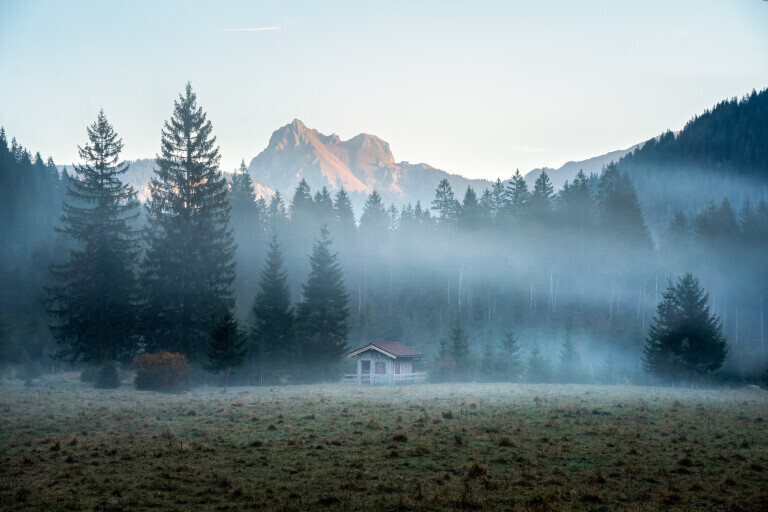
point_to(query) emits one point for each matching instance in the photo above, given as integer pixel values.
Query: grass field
(427, 447)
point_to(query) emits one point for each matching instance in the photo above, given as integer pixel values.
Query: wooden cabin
(385, 363)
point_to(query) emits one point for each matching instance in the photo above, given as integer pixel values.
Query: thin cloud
(252, 29)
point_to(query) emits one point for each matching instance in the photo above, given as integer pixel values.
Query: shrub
(161, 371)
(108, 376)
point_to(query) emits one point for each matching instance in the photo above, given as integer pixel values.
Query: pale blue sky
(476, 88)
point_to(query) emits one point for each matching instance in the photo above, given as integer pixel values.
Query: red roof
(393, 349)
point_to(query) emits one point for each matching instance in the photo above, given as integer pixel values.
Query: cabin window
(380, 368)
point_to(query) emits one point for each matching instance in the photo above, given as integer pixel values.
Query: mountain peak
(296, 124)
(293, 134)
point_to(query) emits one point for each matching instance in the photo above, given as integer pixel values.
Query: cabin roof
(392, 349)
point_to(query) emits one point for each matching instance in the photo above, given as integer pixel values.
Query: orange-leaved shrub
(161, 371)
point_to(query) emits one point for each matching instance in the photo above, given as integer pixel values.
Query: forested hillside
(538, 284)
(31, 193)
(722, 152)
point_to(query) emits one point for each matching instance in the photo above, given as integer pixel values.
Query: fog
(547, 268)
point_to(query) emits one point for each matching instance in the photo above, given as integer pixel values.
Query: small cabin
(385, 363)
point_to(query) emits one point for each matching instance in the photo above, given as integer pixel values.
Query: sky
(475, 88)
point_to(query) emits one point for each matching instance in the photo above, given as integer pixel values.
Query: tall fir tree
(189, 265)
(273, 341)
(94, 303)
(322, 314)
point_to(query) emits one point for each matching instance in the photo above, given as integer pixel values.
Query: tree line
(507, 283)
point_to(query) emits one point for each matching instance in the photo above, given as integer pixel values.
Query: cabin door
(365, 371)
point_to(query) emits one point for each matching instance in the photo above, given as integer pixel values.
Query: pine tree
(459, 351)
(302, 205)
(470, 214)
(248, 228)
(685, 339)
(445, 203)
(510, 366)
(488, 363)
(374, 219)
(569, 362)
(342, 208)
(322, 314)
(273, 341)
(620, 211)
(537, 367)
(226, 348)
(277, 214)
(94, 304)
(517, 195)
(189, 265)
(540, 203)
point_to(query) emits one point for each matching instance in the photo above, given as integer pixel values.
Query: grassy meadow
(422, 447)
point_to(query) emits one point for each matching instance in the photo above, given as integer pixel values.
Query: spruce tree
(94, 303)
(685, 340)
(342, 208)
(487, 370)
(517, 195)
(459, 351)
(374, 221)
(226, 348)
(273, 341)
(302, 205)
(537, 368)
(569, 363)
(510, 366)
(540, 203)
(277, 214)
(445, 203)
(248, 228)
(323, 312)
(323, 207)
(189, 265)
(470, 214)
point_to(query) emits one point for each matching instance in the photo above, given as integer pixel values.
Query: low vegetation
(429, 447)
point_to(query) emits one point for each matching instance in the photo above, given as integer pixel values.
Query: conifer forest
(514, 283)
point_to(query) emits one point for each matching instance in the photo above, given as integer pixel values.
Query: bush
(108, 376)
(161, 371)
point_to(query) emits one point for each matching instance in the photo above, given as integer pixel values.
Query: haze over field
(347, 256)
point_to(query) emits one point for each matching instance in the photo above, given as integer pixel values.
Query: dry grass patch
(431, 447)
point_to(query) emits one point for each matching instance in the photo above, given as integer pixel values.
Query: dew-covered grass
(424, 447)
